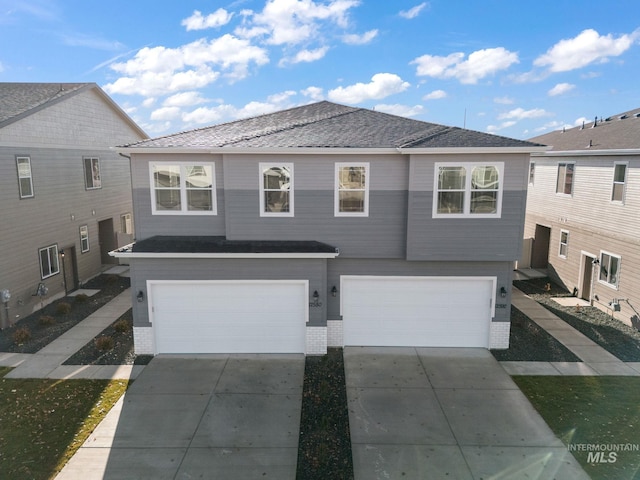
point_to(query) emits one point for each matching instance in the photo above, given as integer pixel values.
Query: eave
(589, 153)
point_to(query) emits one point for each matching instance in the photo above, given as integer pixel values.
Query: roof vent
(590, 143)
(622, 117)
(582, 127)
(595, 123)
(637, 115)
(608, 119)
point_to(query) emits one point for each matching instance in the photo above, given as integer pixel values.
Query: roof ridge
(418, 136)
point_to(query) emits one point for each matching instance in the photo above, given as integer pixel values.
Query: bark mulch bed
(324, 448)
(616, 337)
(49, 323)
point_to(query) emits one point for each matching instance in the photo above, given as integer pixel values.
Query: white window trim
(30, 177)
(623, 183)
(54, 252)
(84, 170)
(566, 244)
(467, 190)
(84, 238)
(183, 190)
(261, 168)
(610, 285)
(573, 180)
(125, 221)
(336, 196)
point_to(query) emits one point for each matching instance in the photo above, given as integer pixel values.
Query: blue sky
(514, 68)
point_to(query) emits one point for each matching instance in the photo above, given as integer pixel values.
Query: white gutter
(589, 153)
(120, 253)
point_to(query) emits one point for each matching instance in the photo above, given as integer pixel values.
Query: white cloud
(503, 100)
(413, 12)
(290, 22)
(306, 56)
(400, 110)
(581, 121)
(555, 125)
(521, 113)
(161, 70)
(208, 115)
(382, 85)
(502, 126)
(435, 95)
(165, 113)
(216, 19)
(184, 99)
(354, 39)
(560, 89)
(586, 48)
(281, 98)
(314, 93)
(478, 65)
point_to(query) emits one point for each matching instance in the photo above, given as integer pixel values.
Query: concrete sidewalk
(47, 362)
(595, 359)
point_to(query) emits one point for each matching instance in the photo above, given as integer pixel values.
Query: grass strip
(597, 418)
(43, 422)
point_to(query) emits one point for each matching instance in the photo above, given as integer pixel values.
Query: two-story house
(65, 193)
(324, 225)
(583, 210)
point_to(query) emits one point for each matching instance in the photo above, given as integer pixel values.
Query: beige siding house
(583, 212)
(65, 194)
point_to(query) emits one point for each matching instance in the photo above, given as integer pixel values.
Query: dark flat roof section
(210, 244)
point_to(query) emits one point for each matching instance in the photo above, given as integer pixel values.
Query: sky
(516, 68)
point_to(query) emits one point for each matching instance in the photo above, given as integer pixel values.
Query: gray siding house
(65, 194)
(324, 225)
(583, 210)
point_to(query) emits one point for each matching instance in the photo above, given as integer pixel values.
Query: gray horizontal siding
(380, 235)
(313, 270)
(465, 238)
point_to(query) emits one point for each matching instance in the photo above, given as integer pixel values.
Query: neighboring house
(324, 225)
(65, 194)
(583, 212)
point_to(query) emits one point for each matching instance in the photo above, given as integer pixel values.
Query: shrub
(63, 308)
(21, 335)
(121, 326)
(104, 343)
(46, 320)
(81, 298)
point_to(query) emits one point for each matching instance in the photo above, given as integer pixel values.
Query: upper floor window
(564, 183)
(92, 173)
(619, 181)
(276, 189)
(183, 189)
(532, 172)
(49, 264)
(468, 190)
(25, 181)
(564, 244)
(84, 238)
(609, 269)
(352, 190)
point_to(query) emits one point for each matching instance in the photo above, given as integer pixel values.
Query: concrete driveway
(216, 416)
(445, 413)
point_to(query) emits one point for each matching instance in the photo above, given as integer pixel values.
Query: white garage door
(229, 316)
(417, 311)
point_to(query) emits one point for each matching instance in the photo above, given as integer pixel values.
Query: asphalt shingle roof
(216, 244)
(621, 131)
(20, 99)
(330, 125)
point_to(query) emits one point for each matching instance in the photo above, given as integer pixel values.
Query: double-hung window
(84, 238)
(352, 190)
(609, 269)
(468, 190)
(25, 180)
(49, 265)
(532, 172)
(564, 244)
(92, 173)
(564, 182)
(183, 189)
(125, 223)
(619, 181)
(276, 190)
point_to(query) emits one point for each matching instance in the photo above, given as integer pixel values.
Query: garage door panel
(229, 317)
(416, 311)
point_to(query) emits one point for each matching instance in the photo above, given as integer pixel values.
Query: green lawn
(43, 422)
(598, 418)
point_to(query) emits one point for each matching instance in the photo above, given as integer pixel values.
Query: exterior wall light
(140, 296)
(334, 291)
(316, 300)
(503, 292)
